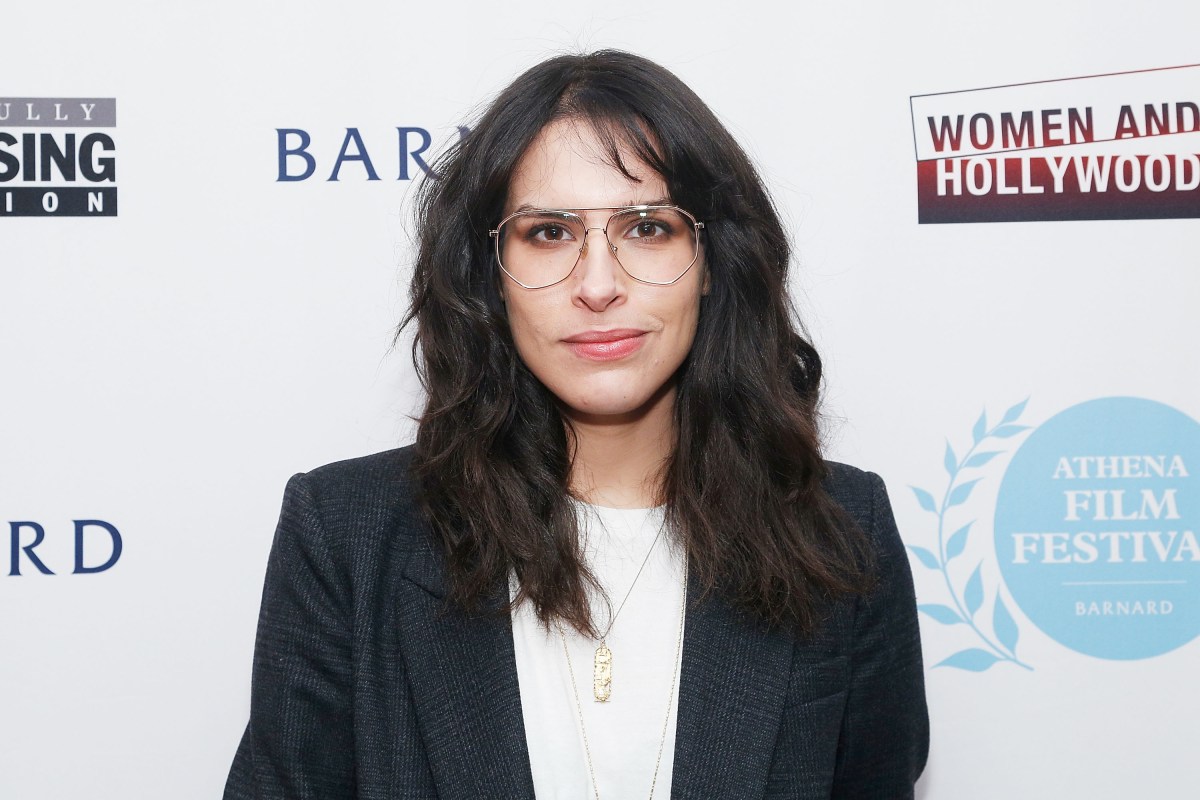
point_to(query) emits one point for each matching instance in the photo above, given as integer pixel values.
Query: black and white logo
(58, 157)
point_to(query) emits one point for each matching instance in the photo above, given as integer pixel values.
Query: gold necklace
(670, 697)
(603, 658)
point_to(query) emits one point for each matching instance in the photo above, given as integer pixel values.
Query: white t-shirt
(623, 733)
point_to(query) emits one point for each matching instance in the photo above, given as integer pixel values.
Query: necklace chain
(670, 697)
(613, 620)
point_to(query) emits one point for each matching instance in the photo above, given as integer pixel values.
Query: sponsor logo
(1094, 533)
(1095, 528)
(403, 152)
(97, 548)
(53, 161)
(1119, 146)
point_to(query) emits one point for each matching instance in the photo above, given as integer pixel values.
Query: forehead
(566, 166)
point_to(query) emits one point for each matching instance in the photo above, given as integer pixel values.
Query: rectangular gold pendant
(602, 673)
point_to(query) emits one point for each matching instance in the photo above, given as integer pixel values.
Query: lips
(606, 345)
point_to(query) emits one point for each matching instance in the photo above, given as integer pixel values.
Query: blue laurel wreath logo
(965, 603)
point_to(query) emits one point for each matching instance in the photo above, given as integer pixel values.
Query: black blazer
(361, 690)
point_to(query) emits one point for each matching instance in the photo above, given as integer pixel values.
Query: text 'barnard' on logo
(402, 151)
(53, 161)
(97, 548)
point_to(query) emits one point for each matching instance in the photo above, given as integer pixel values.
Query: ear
(707, 284)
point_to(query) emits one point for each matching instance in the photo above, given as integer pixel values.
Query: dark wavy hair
(743, 484)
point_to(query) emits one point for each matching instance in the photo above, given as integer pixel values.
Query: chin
(599, 411)
(616, 400)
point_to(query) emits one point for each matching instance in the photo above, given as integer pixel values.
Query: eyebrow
(658, 201)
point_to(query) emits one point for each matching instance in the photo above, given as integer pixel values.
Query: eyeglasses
(653, 244)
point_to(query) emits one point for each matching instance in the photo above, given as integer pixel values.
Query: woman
(614, 564)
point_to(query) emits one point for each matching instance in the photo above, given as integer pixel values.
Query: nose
(601, 280)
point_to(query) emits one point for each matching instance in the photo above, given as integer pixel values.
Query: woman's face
(645, 331)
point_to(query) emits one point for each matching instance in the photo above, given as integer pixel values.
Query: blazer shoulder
(390, 467)
(864, 497)
(364, 503)
(378, 478)
(852, 488)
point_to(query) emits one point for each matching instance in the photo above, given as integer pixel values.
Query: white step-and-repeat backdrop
(204, 248)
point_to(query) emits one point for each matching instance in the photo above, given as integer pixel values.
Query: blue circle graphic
(1096, 528)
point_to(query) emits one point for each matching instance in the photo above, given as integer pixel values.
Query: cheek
(531, 326)
(686, 321)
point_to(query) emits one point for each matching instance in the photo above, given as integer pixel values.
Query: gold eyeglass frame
(697, 226)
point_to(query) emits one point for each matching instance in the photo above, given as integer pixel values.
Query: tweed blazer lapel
(463, 675)
(732, 686)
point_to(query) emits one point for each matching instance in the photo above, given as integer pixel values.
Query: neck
(617, 460)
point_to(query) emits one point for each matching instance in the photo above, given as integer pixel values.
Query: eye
(649, 227)
(549, 233)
